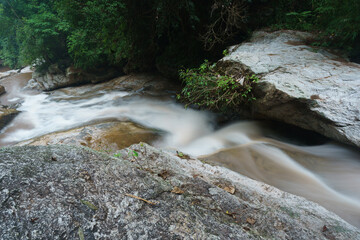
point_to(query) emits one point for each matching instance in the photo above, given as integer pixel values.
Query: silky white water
(327, 173)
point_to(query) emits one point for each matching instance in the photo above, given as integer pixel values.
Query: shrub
(336, 22)
(207, 88)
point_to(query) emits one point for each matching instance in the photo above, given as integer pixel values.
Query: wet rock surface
(66, 192)
(107, 137)
(7, 73)
(301, 85)
(137, 84)
(2, 90)
(55, 78)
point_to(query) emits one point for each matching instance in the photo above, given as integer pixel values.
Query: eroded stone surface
(55, 78)
(148, 84)
(108, 136)
(300, 85)
(63, 192)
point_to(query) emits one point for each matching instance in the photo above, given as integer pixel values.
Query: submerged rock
(301, 85)
(66, 192)
(107, 137)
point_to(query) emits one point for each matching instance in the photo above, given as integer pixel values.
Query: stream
(293, 160)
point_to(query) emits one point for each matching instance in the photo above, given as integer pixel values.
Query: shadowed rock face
(303, 86)
(55, 78)
(63, 192)
(6, 115)
(2, 90)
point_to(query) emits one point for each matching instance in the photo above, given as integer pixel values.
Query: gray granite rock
(301, 85)
(55, 78)
(64, 192)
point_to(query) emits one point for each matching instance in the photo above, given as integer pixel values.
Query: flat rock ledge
(67, 192)
(301, 85)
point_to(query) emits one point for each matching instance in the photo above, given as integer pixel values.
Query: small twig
(147, 201)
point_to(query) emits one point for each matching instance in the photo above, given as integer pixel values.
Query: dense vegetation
(164, 34)
(336, 22)
(209, 87)
(137, 35)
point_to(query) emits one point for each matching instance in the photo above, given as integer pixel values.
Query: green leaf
(135, 154)
(89, 205)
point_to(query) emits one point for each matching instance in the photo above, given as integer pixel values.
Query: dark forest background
(162, 35)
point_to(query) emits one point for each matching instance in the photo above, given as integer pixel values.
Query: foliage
(207, 88)
(141, 35)
(96, 31)
(336, 21)
(300, 20)
(292, 14)
(41, 36)
(228, 18)
(137, 35)
(8, 46)
(133, 153)
(31, 33)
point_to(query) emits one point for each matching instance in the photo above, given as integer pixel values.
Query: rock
(301, 85)
(32, 84)
(141, 84)
(107, 137)
(67, 192)
(146, 84)
(6, 116)
(7, 74)
(2, 90)
(100, 75)
(55, 78)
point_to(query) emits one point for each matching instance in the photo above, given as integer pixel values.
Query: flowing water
(299, 162)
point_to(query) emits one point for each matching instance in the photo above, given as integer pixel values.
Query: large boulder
(302, 85)
(66, 192)
(56, 78)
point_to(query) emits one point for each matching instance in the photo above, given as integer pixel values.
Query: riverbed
(291, 159)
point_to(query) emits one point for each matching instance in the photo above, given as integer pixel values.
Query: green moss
(81, 234)
(339, 229)
(290, 212)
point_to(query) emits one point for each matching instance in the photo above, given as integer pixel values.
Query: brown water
(322, 171)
